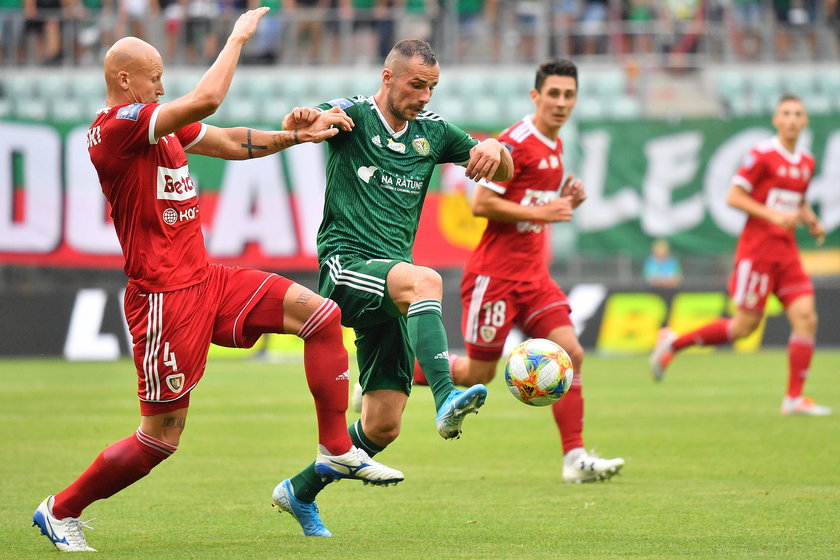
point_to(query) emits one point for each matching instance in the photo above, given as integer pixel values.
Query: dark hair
(789, 97)
(562, 67)
(410, 48)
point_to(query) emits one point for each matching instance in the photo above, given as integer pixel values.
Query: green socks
(428, 337)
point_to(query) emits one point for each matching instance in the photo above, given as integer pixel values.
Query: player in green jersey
(377, 177)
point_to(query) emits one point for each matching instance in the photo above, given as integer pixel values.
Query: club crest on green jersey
(376, 141)
(398, 147)
(421, 146)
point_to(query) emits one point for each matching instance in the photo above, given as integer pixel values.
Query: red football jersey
(778, 179)
(154, 203)
(519, 250)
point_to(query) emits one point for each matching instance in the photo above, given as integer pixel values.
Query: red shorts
(492, 307)
(753, 279)
(172, 331)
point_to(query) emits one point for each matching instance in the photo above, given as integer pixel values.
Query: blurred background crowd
(673, 34)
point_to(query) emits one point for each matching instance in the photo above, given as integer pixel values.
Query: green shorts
(383, 350)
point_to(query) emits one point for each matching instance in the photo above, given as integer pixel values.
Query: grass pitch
(713, 470)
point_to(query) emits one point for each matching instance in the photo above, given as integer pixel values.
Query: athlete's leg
(417, 293)
(468, 371)
(802, 315)
(568, 411)
(287, 307)
(123, 463)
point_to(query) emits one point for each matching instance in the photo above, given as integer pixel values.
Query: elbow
(206, 103)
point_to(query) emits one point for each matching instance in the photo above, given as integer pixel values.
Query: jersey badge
(781, 171)
(487, 333)
(365, 173)
(341, 102)
(175, 382)
(749, 161)
(376, 141)
(794, 172)
(130, 112)
(398, 147)
(543, 164)
(554, 161)
(421, 146)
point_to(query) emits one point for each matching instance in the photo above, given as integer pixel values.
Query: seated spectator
(746, 17)
(43, 20)
(662, 269)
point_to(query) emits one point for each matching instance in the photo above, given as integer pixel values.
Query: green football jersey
(377, 180)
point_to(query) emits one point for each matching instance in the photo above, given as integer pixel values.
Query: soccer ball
(538, 372)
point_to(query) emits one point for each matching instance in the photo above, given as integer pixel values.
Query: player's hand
(817, 230)
(485, 158)
(301, 117)
(326, 125)
(246, 25)
(573, 188)
(557, 210)
(784, 220)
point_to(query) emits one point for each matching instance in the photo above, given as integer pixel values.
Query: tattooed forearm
(285, 139)
(172, 422)
(250, 146)
(304, 298)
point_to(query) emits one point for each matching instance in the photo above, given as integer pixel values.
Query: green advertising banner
(645, 179)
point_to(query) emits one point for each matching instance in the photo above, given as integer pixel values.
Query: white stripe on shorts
(476, 299)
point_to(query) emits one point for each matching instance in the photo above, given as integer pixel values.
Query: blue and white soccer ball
(538, 372)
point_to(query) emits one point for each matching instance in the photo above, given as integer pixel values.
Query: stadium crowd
(669, 33)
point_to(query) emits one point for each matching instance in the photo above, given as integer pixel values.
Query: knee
(805, 321)
(743, 329)
(382, 433)
(427, 284)
(575, 352)
(326, 318)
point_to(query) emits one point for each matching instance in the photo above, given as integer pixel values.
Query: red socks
(713, 334)
(568, 414)
(800, 351)
(117, 467)
(325, 362)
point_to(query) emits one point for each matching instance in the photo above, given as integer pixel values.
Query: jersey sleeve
(191, 134)
(134, 126)
(349, 106)
(750, 172)
(457, 145)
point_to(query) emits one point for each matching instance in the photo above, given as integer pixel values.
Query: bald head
(128, 64)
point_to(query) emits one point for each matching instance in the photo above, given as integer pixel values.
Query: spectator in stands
(662, 269)
(794, 17)
(11, 31)
(43, 21)
(308, 17)
(415, 19)
(374, 27)
(199, 29)
(746, 17)
(640, 17)
(593, 23)
(684, 21)
(269, 35)
(132, 16)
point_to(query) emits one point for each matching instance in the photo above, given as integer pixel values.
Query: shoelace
(74, 534)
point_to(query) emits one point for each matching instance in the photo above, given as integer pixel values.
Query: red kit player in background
(770, 187)
(176, 302)
(506, 280)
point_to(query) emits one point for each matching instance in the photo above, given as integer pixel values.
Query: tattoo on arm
(285, 139)
(172, 422)
(251, 147)
(304, 297)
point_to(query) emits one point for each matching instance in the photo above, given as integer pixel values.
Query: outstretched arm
(203, 101)
(247, 143)
(491, 205)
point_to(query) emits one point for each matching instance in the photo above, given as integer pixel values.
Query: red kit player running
(506, 281)
(177, 303)
(770, 187)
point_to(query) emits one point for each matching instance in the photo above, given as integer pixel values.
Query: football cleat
(306, 513)
(590, 468)
(66, 534)
(457, 405)
(357, 397)
(356, 464)
(662, 353)
(804, 406)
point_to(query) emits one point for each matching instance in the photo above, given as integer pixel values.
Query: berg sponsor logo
(398, 147)
(175, 184)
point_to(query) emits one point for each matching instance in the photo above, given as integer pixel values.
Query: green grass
(713, 470)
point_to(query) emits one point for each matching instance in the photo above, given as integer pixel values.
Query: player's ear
(122, 79)
(534, 95)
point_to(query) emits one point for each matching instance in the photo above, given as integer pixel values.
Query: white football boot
(355, 465)
(66, 534)
(581, 466)
(804, 406)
